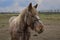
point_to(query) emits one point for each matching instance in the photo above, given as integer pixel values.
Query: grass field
(51, 29)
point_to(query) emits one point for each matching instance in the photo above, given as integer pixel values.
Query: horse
(28, 18)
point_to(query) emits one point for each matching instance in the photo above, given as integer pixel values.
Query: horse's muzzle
(40, 31)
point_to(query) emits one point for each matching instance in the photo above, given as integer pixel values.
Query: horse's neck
(21, 18)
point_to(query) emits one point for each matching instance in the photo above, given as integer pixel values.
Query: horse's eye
(32, 16)
(36, 20)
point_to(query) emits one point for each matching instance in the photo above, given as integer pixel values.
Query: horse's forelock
(28, 15)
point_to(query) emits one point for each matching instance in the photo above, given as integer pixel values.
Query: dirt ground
(51, 28)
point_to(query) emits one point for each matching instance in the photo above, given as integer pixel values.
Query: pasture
(51, 29)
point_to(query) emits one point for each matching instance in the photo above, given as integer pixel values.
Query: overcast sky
(18, 5)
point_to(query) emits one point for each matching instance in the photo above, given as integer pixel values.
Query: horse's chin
(40, 32)
(35, 35)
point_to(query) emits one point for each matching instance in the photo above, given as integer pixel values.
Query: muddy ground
(51, 27)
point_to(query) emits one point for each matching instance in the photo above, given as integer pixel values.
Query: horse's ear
(30, 6)
(36, 5)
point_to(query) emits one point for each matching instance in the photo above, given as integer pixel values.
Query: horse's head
(32, 18)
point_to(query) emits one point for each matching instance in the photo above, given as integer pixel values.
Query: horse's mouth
(40, 31)
(35, 35)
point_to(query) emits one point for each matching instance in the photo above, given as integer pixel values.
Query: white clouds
(50, 4)
(42, 4)
(11, 9)
(15, 6)
(39, 1)
(2, 0)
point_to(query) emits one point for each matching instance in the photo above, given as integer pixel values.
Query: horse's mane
(21, 16)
